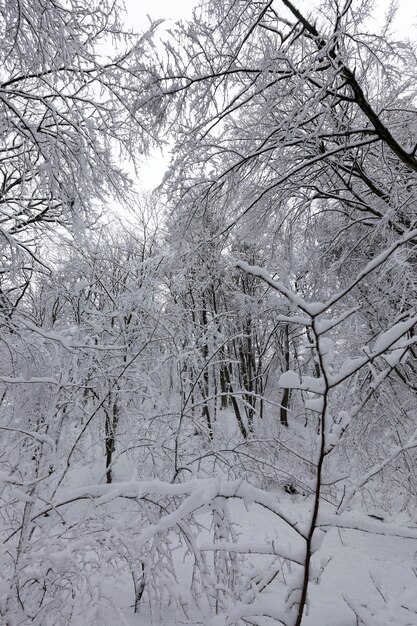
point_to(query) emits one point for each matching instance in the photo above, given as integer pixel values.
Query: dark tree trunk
(112, 418)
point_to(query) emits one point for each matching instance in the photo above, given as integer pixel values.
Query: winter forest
(208, 406)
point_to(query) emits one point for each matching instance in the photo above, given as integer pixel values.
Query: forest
(208, 406)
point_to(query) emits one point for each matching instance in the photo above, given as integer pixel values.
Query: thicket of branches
(251, 325)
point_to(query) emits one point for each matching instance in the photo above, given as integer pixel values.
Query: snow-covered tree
(245, 363)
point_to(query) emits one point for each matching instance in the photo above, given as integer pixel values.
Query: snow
(344, 562)
(323, 325)
(354, 554)
(347, 368)
(295, 319)
(289, 380)
(296, 300)
(314, 404)
(273, 548)
(394, 358)
(347, 580)
(326, 345)
(315, 385)
(389, 338)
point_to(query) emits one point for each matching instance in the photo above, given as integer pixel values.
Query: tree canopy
(202, 387)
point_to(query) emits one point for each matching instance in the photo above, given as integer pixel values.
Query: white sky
(176, 9)
(157, 9)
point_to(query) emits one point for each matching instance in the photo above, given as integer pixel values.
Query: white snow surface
(368, 572)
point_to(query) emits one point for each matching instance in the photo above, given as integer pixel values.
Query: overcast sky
(176, 9)
(157, 9)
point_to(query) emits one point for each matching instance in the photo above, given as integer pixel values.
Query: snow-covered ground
(362, 574)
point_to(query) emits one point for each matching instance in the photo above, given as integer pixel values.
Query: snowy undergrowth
(360, 575)
(217, 549)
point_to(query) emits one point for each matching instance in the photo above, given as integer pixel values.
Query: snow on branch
(360, 522)
(201, 493)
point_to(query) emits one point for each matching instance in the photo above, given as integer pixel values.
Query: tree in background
(301, 131)
(260, 341)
